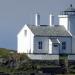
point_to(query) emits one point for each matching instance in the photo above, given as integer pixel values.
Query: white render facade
(29, 42)
(49, 47)
(49, 39)
(25, 43)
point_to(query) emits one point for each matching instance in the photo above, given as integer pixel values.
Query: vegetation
(19, 64)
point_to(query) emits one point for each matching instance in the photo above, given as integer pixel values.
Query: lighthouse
(67, 18)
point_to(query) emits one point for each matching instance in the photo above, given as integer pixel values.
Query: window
(63, 45)
(25, 32)
(55, 45)
(40, 45)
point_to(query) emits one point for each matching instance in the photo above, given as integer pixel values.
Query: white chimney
(51, 19)
(63, 20)
(37, 19)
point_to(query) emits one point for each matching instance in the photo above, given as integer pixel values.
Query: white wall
(45, 41)
(71, 57)
(43, 57)
(69, 23)
(51, 50)
(63, 20)
(73, 44)
(25, 43)
(72, 24)
(72, 30)
(68, 41)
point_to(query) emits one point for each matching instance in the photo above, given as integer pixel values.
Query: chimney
(51, 19)
(37, 19)
(63, 20)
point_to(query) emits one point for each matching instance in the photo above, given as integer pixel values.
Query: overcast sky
(14, 14)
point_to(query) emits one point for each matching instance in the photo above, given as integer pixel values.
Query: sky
(14, 14)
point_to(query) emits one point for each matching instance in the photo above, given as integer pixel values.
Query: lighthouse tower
(67, 18)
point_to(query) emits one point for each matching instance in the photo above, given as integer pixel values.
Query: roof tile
(44, 30)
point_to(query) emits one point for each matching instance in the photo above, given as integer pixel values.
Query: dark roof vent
(56, 25)
(43, 25)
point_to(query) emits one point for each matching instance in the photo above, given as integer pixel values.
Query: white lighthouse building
(46, 42)
(67, 19)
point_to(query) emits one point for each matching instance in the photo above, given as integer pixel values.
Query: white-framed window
(40, 45)
(25, 32)
(63, 45)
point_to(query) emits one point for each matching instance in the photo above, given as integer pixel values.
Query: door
(55, 48)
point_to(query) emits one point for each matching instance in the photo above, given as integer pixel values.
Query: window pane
(40, 45)
(63, 45)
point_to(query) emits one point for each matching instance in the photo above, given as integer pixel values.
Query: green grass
(6, 52)
(28, 65)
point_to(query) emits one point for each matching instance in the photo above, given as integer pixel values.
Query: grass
(6, 52)
(27, 65)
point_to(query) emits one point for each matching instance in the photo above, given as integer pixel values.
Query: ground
(12, 63)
